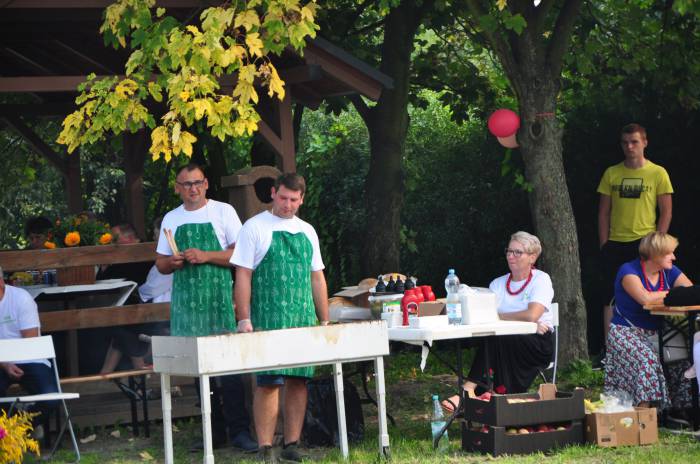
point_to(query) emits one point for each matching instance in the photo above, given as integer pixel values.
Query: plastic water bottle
(454, 307)
(437, 422)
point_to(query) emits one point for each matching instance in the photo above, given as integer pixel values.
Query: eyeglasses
(188, 185)
(516, 253)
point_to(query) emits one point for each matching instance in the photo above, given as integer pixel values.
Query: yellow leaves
(125, 88)
(255, 45)
(308, 12)
(248, 19)
(201, 106)
(184, 95)
(501, 4)
(178, 141)
(275, 84)
(193, 30)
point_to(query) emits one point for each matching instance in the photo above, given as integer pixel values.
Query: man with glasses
(630, 193)
(204, 232)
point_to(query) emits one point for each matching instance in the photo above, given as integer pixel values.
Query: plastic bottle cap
(435, 397)
(451, 271)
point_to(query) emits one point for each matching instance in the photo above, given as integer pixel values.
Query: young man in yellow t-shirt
(629, 195)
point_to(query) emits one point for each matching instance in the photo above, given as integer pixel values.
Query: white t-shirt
(157, 287)
(221, 215)
(539, 290)
(18, 311)
(256, 237)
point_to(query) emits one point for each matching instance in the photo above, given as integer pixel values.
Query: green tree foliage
(453, 189)
(182, 64)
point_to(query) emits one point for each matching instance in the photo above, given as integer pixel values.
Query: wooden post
(134, 158)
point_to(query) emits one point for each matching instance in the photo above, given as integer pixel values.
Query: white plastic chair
(554, 308)
(26, 349)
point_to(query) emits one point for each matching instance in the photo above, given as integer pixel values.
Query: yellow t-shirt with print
(633, 195)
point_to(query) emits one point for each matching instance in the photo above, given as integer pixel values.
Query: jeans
(38, 378)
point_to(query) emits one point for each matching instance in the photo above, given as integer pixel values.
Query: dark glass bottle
(399, 285)
(381, 286)
(391, 286)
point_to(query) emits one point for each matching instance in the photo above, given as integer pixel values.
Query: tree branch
(559, 41)
(540, 17)
(500, 46)
(361, 107)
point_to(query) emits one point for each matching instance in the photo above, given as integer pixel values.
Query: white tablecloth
(452, 332)
(125, 288)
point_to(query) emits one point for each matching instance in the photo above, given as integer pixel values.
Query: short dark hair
(37, 225)
(126, 228)
(634, 127)
(190, 166)
(292, 181)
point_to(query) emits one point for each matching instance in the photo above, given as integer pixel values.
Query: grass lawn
(408, 400)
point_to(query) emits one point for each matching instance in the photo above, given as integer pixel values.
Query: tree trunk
(540, 140)
(387, 123)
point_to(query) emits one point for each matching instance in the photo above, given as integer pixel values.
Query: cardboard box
(357, 295)
(547, 406)
(431, 308)
(636, 427)
(479, 306)
(496, 441)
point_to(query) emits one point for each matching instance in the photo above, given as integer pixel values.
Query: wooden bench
(88, 318)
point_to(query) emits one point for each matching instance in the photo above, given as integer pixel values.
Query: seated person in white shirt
(156, 289)
(19, 318)
(524, 294)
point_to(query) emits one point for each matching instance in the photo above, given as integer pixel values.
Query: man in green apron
(280, 284)
(204, 232)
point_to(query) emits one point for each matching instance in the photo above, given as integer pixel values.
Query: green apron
(201, 299)
(281, 290)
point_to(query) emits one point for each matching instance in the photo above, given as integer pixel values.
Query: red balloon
(508, 142)
(504, 123)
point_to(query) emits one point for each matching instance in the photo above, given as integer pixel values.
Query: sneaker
(244, 442)
(690, 373)
(290, 453)
(266, 454)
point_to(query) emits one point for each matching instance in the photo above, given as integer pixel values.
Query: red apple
(484, 429)
(486, 396)
(543, 428)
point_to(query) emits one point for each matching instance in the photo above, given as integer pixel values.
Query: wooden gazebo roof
(48, 47)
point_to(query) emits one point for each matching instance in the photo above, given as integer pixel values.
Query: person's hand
(244, 326)
(177, 261)
(13, 371)
(195, 256)
(542, 328)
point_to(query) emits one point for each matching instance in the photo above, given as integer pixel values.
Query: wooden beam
(30, 62)
(288, 153)
(38, 144)
(84, 57)
(343, 72)
(99, 4)
(43, 83)
(110, 316)
(67, 257)
(74, 190)
(39, 109)
(134, 158)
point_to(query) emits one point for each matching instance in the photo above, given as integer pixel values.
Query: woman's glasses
(516, 253)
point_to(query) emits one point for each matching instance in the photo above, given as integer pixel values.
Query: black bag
(683, 296)
(321, 421)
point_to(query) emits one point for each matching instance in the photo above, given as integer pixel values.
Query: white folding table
(216, 355)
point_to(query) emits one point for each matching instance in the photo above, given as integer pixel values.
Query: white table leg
(340, 407)
(206, 419)
(166, 403)
(381, 407)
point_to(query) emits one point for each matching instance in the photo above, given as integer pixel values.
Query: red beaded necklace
(517, 292)
(646, 283)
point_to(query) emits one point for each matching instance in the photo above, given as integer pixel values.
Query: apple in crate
(543, 428)
(523, 431)
(512, 431)
(486, 396)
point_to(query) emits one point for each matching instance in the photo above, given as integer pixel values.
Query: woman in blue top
(632, 364)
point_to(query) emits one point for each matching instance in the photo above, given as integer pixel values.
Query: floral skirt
(632, 365)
